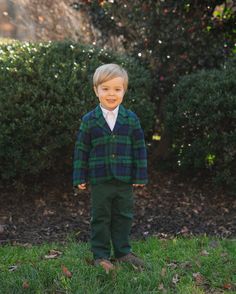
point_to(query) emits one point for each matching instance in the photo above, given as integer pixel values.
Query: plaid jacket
(101, 154)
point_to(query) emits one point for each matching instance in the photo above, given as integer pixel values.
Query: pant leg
(101, 196)
(122, 217)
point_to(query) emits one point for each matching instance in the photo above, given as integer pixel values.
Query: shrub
(172, 37)
(200, 119)
(45, 89)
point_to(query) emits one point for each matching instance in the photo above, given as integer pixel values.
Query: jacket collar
(121, 118)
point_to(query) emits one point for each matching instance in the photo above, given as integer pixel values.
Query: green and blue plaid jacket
(101, 154)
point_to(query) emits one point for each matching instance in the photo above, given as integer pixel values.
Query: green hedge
(45, 89)
(201, 120)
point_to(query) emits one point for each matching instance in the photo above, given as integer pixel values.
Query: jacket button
(113, 156)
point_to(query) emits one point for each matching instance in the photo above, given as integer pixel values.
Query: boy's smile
(111, 93)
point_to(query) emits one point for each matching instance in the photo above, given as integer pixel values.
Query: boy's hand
(138, 185)
(82, 186)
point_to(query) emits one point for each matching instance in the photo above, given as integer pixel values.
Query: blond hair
(108, 72)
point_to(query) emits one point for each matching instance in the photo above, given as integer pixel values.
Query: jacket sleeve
(139, 155)
(81, 155)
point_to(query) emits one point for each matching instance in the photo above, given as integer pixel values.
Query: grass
(184, 265)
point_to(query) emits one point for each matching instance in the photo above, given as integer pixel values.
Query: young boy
(110, 154)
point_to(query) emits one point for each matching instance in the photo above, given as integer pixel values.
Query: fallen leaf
(186, 264)
(163, 272)
(107, 267)
(66, 272)
(87, 222)
(12, 268)
(204, 253)
(25, 284)
(172, 265)
(137, 268)
(162, 289)
(175, 279)
(198, 263)
(27, 245)
(198, 277)
(53, 254)
(40, 202)
(41, 18)
(47, 212)
(184, 230)
(227, 286)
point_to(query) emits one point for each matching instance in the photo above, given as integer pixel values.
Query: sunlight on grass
(6, 41)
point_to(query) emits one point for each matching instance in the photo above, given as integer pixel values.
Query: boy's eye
(118, 89)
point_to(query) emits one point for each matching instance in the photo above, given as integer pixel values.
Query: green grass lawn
(183, 265)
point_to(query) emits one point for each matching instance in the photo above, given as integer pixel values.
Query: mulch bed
(169, 205)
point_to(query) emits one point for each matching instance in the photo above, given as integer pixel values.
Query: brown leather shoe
(131, 258)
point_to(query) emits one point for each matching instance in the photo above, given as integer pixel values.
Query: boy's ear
(95, 90)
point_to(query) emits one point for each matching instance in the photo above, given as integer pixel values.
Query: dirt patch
(169, 205)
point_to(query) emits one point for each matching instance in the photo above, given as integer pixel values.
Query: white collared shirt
(110, 116)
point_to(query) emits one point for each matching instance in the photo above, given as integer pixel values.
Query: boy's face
(110, 93)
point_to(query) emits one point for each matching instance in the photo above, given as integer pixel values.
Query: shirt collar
(105, 111)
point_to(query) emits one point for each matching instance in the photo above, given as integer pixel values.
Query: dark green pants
(112, 215)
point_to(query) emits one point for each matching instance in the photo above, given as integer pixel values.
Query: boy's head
(110, 82)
